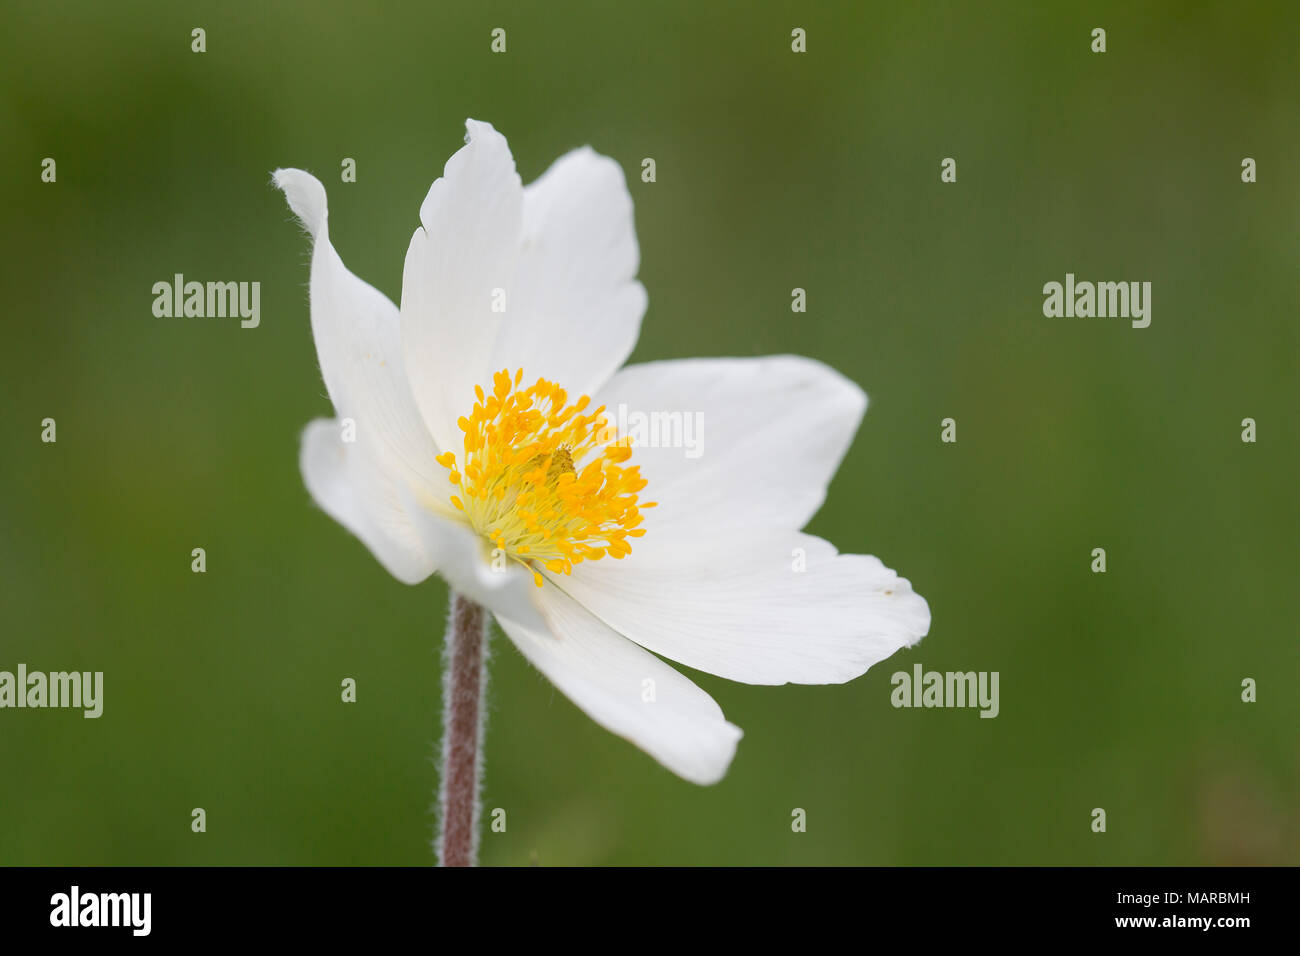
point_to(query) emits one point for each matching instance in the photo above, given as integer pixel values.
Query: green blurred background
(775, 170)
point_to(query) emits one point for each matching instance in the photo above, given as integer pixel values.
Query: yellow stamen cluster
(525, 487)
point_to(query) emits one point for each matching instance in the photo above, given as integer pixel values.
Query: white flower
(516, 502)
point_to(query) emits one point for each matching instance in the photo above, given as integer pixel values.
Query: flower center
(545, 483)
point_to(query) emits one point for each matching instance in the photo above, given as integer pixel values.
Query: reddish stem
(463, 720)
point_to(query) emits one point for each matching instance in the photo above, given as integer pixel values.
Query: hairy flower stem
(464, 716)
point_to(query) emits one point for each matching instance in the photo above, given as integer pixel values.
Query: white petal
(352, 490)
(464, 250)
(768, 434)
(740, 610)
(358, 343)
(465, 560)
(574, 306)
(606, 676)
(560, 258)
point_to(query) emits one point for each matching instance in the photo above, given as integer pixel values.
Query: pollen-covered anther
(545, 481)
